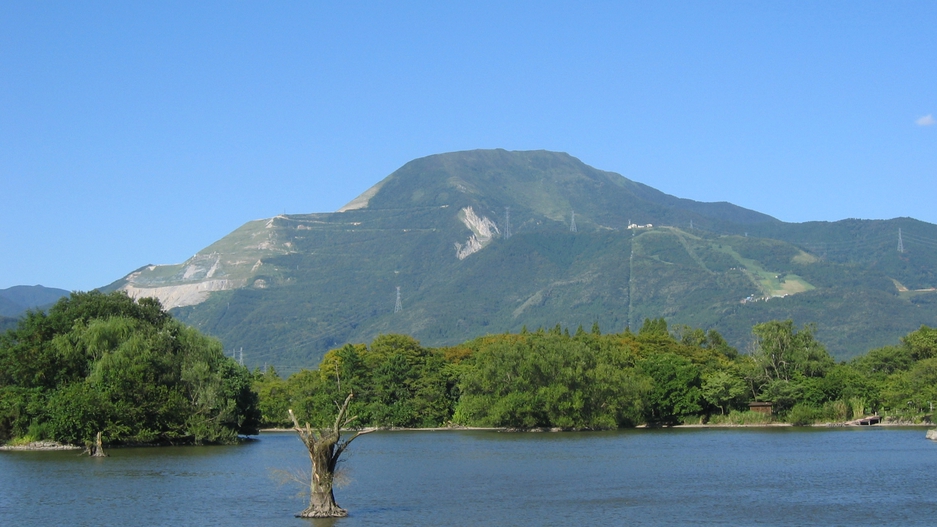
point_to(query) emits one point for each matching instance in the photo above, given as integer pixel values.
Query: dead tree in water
(96, 449)
(325, 447)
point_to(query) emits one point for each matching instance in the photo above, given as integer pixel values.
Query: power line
(507, 222)
(920, 241)
(327, 331)
(631, 278)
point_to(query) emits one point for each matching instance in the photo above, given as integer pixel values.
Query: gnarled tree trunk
(95, 449)
(98, 450)
(325, 447)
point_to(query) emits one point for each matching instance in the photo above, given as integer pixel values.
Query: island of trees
(105, 366)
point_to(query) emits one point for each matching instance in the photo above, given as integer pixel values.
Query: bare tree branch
(341, 447)
(325, 447)
(341, 412)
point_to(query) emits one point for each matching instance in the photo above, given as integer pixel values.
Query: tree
(782, 352)
(914, 390)
(722, 389)
(655, 326)
(396, 382)
(675, 391)
(882, 362)
(922, 343)
(549, 381)
(325, 448)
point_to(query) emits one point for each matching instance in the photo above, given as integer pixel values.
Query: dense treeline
(106, 363)
(587, 380)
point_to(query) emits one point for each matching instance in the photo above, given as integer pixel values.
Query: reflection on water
(780, 476)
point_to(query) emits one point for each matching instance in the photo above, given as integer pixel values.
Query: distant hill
(14, 301)
(489, 241)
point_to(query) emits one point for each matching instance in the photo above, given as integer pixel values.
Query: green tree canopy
(104, 362)
(782, 352)
(591, 380)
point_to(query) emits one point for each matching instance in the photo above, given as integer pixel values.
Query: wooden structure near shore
(761, 407)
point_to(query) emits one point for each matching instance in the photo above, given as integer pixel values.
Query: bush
(803, 415)
(736, 417)
(837, 411)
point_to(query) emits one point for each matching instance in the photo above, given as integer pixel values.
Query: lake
(745, 476)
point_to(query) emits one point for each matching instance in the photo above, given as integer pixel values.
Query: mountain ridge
(15, 300)
(480, 241)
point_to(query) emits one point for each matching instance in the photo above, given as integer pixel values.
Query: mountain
(14, 301)
(491, 241)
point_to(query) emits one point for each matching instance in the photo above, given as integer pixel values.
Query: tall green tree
(549, 380)
(723, 390)
(783, 352)
(675, 391)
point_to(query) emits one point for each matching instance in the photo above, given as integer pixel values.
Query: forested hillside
(489, 241)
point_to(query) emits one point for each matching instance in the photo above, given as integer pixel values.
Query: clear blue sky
(135, 133)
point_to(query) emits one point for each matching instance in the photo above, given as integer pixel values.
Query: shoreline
(52, 446)
(40, 446)
(639, 427)
(402, 429)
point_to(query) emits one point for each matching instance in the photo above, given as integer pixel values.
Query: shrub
(736, 417)
(803, 415)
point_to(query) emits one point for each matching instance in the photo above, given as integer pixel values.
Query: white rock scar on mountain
(483, 230)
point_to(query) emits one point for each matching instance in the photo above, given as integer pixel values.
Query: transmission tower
(572, 223)
(900, 244)
(507, 222)
(398, 307)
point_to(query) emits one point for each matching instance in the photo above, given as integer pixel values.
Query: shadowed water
(779, 476)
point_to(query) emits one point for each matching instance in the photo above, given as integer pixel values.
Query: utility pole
(900, 244)
(572, 224)
(398, 307)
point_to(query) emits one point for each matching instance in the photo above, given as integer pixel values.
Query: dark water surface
(778, 476)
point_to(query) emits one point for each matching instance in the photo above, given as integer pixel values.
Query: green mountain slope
(482, 242)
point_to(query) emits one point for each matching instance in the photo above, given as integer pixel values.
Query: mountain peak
(541, 183)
